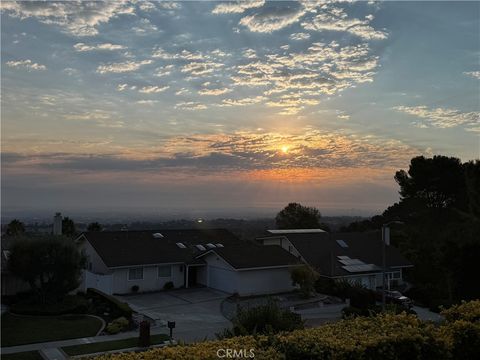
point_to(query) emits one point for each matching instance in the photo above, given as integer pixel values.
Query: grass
(20, 329)
(27, 355)
(110, 345)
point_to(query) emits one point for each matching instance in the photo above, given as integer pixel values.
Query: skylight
(157, 235)
(200, 247)
(342, 243)
(219, 245)
(211, 246)
(181, 245)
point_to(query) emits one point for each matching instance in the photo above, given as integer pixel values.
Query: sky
(231, 106)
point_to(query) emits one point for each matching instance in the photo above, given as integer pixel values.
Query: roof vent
(342, 243)
(157, 235)
(181, 245)
(200, 247)
(211, 246)
(219, 245)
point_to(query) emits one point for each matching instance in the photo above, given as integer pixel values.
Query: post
(171, 326)
(383, 267)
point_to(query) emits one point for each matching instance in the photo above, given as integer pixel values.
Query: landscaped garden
(385, 336)
(26, 329)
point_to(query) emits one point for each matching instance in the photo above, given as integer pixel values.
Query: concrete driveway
(196, 312)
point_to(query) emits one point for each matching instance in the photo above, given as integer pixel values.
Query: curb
(126, 350)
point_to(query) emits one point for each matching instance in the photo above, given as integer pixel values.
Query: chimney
(57, 224)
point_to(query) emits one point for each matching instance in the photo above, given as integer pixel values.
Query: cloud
(474, 74)
(214, 91)
(237, 6)
(243, 151)
(127, 66)
(273, 18)
(76, 18)
(153, 89)
(201, 68)
(243, 101)
(333, 18)
(442, 117)
(147, 102)
(122, 87)
(300, 36)
(26, 64)
(81, 47)
(144, 27)
(190, 106)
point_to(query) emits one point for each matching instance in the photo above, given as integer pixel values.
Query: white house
(119, 262)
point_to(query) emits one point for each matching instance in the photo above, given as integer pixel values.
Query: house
(356, 257)
(121, 261)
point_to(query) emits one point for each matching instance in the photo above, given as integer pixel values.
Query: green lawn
(111, 345)
(28, 355)
(19, 329)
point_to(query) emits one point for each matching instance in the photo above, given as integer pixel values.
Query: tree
(94, 226)
(15, 228)
(305, 277)
(439, 182)
(296, 216)
(51, 265)
(68, 227)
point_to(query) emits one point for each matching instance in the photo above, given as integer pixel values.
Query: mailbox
(171, 326)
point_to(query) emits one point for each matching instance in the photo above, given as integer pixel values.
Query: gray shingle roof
(129, 248)
(321, 250)
(245, 256)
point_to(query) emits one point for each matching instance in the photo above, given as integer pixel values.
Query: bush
(135, 288)
(385, 337)
(263, 319)
(107, 303)
(69, 305)
(469, 311)
(305, 278)
(117, 325)
(168, 286)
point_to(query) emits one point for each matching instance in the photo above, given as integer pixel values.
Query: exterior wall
(284, 243)
(264, 281)
(202, 275)
(150, 281)
(97, 264)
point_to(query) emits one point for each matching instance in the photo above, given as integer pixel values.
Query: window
(396, 275)
(135, 274)
(164, 271)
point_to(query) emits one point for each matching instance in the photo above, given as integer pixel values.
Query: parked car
(395, 297)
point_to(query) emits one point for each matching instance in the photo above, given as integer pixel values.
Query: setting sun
(285, 149)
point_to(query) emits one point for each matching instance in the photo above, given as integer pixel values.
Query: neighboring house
(356, 257)
(120, 260)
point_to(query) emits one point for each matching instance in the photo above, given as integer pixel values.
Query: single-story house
(356, 257)
(120, 261)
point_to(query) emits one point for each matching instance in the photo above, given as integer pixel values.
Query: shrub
(69, 305)
(116, 307)
(135, 288)
(305, 277)
(381, 337)
(263, 319)
(469, 311)
(168, 286)
(117, 325)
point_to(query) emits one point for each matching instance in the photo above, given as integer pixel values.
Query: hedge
(118, 308)
(385, 336)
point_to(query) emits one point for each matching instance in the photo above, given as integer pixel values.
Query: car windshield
(395, 293)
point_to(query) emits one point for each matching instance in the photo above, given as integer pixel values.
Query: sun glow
(285, 149)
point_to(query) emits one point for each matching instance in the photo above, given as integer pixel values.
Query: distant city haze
(210, 109)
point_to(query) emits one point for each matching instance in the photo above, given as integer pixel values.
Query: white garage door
(222, 279)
